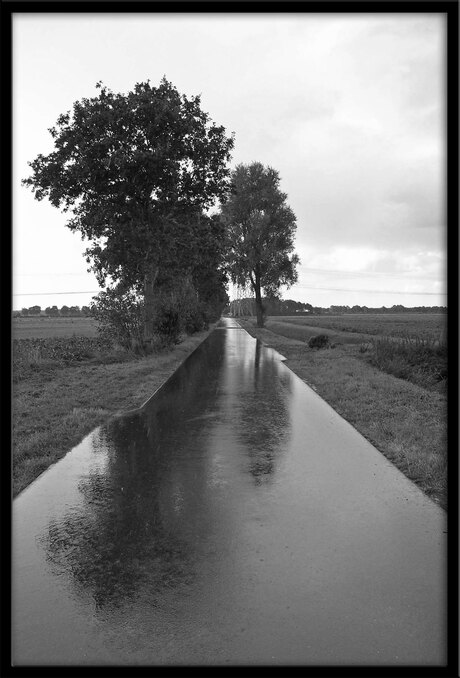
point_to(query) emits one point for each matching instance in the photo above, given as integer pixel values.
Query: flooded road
(235, 519)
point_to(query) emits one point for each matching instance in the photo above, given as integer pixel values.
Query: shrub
(168, 324)
(320, 341)
(178, 310)
(196, 318)
(120, 318)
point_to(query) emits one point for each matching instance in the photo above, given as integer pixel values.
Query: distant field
(426, 326)
(42, 328)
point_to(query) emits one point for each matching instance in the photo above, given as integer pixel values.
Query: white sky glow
(350, 109)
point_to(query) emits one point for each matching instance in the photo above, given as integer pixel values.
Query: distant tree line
(397, 308)
(54, 312)
(275, 306)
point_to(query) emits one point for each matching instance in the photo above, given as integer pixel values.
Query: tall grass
(34, 354)
(421, 361)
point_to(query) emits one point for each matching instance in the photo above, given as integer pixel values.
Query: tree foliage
(120, 318)
(208, 274)
(136, 171)
(34, 310)
(260, 232)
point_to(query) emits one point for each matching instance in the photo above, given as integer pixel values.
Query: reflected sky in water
(193, 530)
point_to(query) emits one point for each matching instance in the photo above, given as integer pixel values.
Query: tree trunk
(149, 303)
(259, 307)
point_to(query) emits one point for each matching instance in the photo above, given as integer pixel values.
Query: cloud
(371, 276)
(362, 149)
(350, 109)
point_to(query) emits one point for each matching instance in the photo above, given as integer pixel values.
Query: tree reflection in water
(115, 540)
(140, 512)
(120, 536)
(261, 413)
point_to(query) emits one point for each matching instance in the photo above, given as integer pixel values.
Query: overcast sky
(350, 109)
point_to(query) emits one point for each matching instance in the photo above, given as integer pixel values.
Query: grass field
(42, 328)
(426, 326)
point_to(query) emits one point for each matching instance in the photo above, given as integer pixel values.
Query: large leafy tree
(135, 171)
(260, 230)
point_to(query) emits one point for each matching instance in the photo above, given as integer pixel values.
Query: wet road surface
(236, 519)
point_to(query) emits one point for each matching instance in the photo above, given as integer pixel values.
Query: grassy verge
(57, 402)
(414, 358)
(404, 420)
(421, 362)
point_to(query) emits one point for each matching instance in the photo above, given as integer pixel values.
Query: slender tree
(135, 171)
(260, 230)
